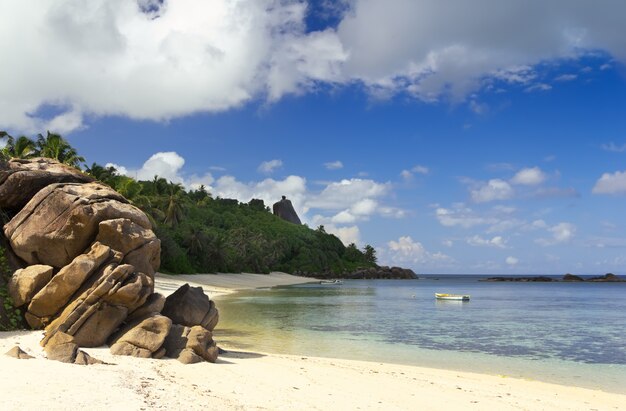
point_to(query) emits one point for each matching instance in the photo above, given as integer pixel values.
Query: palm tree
(22, 147)
(174, 205)
(56, 147)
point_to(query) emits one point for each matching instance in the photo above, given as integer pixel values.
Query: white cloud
(164, 164)
(538, 87)
(268, 167)
(460, 216)
(566, 77)
(200, 56)
(494, 189)
(196, 56)
(345, 193)
(511, 261)
(561, 233)
(478, 241)
(614, 183)
(614, 147)
(447, 243)
(333, 165)
(406, 251)
(529, 177)
(408, 174)
(347, 235)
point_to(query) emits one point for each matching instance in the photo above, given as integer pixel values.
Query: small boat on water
(452, 297)
(331, 282)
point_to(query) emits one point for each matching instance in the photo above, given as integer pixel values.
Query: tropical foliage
(52, 145)
(201, 234)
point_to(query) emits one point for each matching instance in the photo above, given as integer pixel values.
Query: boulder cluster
(89, 258)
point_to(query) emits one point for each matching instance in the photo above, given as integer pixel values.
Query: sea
(571, 333)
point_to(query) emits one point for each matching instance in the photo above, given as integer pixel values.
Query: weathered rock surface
(62, 347)
(190, 345)
(284, 209)
(57, 293)
(27, 282)
(21, 179)
(104, 304)
(190, 306)
(62, 220)
(140, 246)
(153, 305)
(17, 352)
(141, 338)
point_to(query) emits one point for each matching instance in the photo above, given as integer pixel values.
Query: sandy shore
(218, 284)
(255, 381)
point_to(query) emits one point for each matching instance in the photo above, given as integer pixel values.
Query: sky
(455, 137)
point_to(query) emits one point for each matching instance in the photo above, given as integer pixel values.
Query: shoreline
(220, 284)
(255, 381)
(258, 380)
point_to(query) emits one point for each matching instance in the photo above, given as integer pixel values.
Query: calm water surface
(572, 333)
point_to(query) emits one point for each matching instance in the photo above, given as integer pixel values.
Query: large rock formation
(90, 259)
(284, 209)
(21, 179)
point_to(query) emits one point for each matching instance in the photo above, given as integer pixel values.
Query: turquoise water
(572, 333)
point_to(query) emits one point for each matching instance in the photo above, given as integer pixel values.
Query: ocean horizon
(561, 332)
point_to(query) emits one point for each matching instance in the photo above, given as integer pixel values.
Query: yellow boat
(452, 297)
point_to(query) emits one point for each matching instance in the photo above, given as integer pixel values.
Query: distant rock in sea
(572, 277)
(540, 279)
(607, 278)
(284, 209)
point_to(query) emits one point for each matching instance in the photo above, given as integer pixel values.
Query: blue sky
(452, 141)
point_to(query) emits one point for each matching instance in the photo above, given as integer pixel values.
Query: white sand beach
(256, 381)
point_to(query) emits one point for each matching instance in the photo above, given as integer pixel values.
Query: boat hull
(452, 297)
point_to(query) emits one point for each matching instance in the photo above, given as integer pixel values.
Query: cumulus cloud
(333, 165)
(478, 241)
(529, 177)
(408, 174)
(614, 147)
(494, 189)
(510, 260)
(406, 251)
(164, 164)
(346, 193)
(118, 59)
(122, 57)
(561, 233)
(611, 183)
(268, 167)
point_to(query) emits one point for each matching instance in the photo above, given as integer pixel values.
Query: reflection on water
(565, 324)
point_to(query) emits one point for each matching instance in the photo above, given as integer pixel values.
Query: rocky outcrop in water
(572, 277)
(607, 278)
(284, 209)
(88, 262)
(369, 273)
(538, 279)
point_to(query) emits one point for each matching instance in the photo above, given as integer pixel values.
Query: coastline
(253, 380)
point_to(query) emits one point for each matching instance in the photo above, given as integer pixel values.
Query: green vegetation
(52, 146)
(201, 234)
(10, 317)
